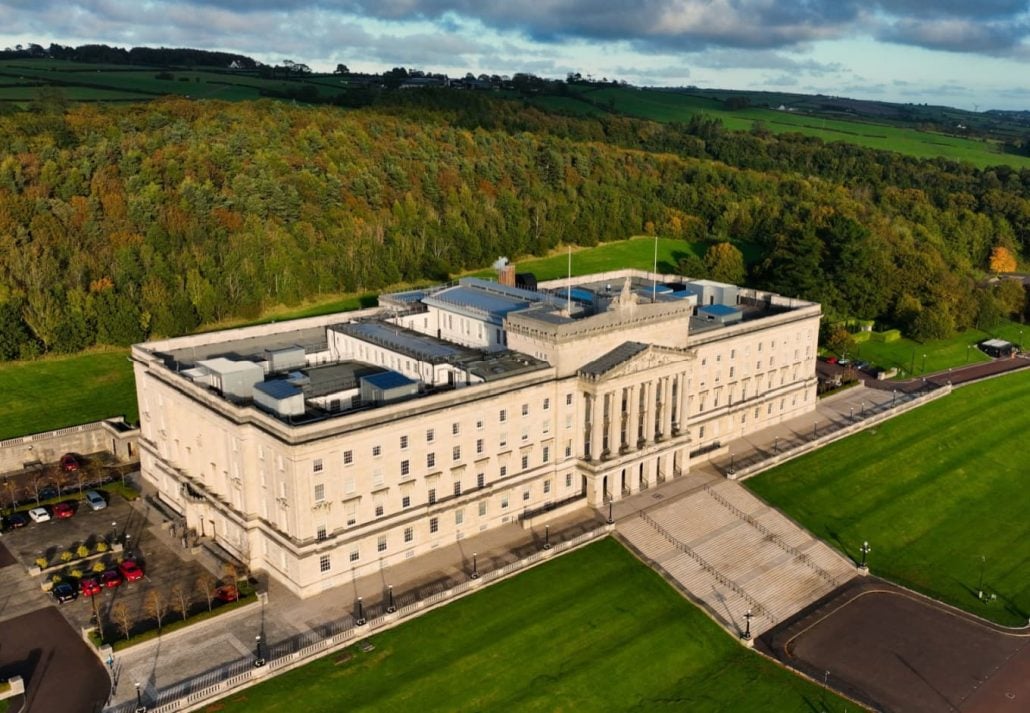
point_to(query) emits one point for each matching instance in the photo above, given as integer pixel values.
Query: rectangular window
(525, 433)
(568, 480)
(432, 496)
(320, 533)
(731, 372)
(319, 493)
(547, 454)
(455, 429)
(324, 563)
(525, 409)
(459, 517)
(381, 544)
(377, 477)
(348, 457)
(568, 399)
(479, 446)
(547, 487)
(482, 508)
(525, 495)
(430, 460)
(349, 485)
(430, 435)
(405, 467)
(547, 404)
(377, 451)
(502, 416)
(545, 426)
(355, 554)
(456, 453)
(525, 462)
(479, 425)
(379, 510)
(406, 501)
(504, 501)
(568, 449)
(480, 480)
(409, 534)
(503, 440)
(317, 465)
(352, 512)
(457, 487)
(434, 524)
(404, 442)
(504, 470)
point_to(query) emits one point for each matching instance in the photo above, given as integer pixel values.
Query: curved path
(897, 650)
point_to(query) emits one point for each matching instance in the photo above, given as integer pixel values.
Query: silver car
(95, 500)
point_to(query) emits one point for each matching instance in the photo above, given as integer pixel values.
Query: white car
(39, 515)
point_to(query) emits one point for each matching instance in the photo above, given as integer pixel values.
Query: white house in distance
(324, 448)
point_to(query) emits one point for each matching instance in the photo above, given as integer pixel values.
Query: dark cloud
(958, 34)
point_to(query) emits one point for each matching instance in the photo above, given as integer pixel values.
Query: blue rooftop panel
(718, 310)
(387, 380)
(278, 388)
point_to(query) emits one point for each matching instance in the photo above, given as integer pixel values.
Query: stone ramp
(732, 553)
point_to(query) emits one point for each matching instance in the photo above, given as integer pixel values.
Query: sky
(972, 54)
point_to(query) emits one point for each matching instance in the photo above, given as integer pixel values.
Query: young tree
(725, 263)
(121, 616)
(181, 600)
(1002, 260)
(156, 606)
(207, 585)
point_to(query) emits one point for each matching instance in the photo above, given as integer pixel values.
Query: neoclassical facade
(325, 448)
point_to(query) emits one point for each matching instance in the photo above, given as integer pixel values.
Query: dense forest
(126, 222)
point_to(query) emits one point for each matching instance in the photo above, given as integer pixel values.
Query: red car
(130, 570)
(831, 360)
(110, 579)
(70, 462)
(63, 511)
(89, 586)
(227, 593)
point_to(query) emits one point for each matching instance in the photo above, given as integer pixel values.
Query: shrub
(102, 547)
(76, 573)
(83, 551)
(41, 562)
(66, 556)
(56, 578)
(99, 566)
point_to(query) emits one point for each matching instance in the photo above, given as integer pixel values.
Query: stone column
(596, 421)
(614, 421)
(649, 412)
(633, 427)
(667, 408)
(681, 412)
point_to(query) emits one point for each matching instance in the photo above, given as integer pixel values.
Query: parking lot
(120, 523)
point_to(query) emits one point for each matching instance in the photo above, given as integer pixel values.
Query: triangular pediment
(632, 358)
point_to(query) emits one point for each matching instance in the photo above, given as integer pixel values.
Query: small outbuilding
(998, 348)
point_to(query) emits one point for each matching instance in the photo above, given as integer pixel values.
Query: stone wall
(112, 435)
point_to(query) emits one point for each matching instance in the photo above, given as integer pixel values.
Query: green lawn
(594, 630)
(677, 106)
(938, 493)
(907, 354)
(65, 391)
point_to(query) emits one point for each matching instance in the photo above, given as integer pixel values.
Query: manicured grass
(907, 354)
(933, 491)
(594, 630)
(65, 391)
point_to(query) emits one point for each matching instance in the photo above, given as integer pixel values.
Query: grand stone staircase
(734, 553)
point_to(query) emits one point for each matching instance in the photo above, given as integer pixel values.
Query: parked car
(63, 511)
(831, 360)
(110, 578)
(227, 593)
(15, 520)
(88, 586)
(47, 492)
(64, 592)
(95, 500)
(70, 462)
(130, 571)
(39, 515)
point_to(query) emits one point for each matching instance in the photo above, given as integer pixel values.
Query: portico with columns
(634, 431)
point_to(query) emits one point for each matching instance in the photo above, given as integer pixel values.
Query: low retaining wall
(836, 435)
(113, 435)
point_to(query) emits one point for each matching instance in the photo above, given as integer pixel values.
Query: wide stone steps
(734, 553)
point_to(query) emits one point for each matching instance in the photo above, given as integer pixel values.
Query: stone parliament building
(325, 448)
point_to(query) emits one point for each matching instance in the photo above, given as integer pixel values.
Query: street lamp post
(980, 589)
(747, 627)
(894, 398)
(924, 363)
(851, 412)
(865, 549)
(611, 520)
(259, 660)
(392, 608)
(114, 532)
(475, 566)
(360, 621)
(140, 708)
(547, 537)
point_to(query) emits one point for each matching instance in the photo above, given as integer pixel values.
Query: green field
(675, 106)
(907, 355)
(594, 630)
(65, 391)
(939, 493)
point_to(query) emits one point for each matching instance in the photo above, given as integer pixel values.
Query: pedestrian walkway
(734, 555)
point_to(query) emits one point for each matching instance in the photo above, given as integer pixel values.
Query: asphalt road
(902, 652)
